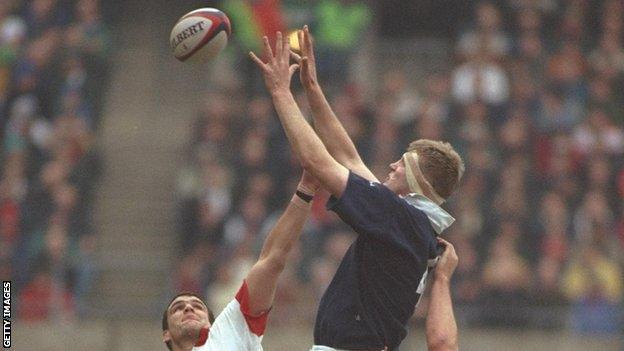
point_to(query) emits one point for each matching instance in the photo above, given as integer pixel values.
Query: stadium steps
(145, 126)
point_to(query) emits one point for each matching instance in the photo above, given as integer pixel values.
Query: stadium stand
(528, 91)
(53, 68)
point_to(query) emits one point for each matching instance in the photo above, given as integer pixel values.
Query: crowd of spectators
(531, 99)
(53, 67)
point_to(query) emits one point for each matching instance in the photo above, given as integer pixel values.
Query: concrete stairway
(145, 123)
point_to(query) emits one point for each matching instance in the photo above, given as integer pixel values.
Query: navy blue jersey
(374, 292)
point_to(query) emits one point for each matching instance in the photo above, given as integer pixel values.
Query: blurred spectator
(89, 34)
(194, 270)
(608, 57)
(487, 34)
(593, 212)
(12, 35)
(41, 299)
(228, 277)
(42, 15)
(598, 133)
(253, 19)
(556, 113)
(436, 102)
(244, 226)
(468, 288)
(553, 253)
(593, 282)
(339, 30)
(602, 98)
(506, 278)
(480, 78)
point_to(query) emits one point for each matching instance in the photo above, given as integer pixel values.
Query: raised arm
(308, 147)
(440, 327)
(263, 276)
(327, 125)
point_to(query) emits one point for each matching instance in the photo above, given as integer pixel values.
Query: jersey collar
(203, 337)
(438, 217)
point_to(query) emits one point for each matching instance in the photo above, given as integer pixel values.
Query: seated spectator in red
(41, 299)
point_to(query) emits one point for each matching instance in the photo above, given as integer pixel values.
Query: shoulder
(256, 323)
(236, 315)
(231, 331)
(358, 183)
(364, 196)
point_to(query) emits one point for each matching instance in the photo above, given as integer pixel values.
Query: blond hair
(440, 164)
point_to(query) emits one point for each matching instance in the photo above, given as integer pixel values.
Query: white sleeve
(234, 328)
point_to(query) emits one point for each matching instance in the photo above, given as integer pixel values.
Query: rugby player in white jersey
(188, 323)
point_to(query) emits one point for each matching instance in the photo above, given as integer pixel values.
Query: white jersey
(234, 329)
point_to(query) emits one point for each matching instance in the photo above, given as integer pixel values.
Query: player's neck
(401, 191)
(183, 345)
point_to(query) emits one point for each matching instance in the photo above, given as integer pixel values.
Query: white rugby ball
(200, 35)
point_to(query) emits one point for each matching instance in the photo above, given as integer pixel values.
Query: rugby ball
(200, 35)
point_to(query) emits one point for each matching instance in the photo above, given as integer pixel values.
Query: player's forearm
(263, 276)
(330, 129)
(286, 232)
(303, 139)
(441, 329)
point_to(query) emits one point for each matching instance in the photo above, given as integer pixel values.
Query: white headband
(415, 178)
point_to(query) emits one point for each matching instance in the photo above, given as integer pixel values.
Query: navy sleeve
(373, 210)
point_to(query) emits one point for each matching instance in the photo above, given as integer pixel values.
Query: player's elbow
(319, 165)
(352, 159)
(314, 166)
(441, 342)
(310, 162)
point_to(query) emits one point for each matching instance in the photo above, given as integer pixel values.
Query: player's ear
(166, 336)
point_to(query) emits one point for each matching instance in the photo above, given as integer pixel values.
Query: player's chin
(192, 325)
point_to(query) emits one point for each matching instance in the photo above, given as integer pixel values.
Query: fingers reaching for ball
(277, 71)
(306, 60)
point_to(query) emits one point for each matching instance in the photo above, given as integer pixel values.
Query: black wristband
(303, 196)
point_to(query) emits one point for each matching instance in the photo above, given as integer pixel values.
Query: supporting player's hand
(277, 71)
(447, 262)
(306, 60)
(308, 183)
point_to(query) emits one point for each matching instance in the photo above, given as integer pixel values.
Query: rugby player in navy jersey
(383, 274)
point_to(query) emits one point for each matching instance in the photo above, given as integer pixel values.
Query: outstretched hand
(306, 60)
(277, 71)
